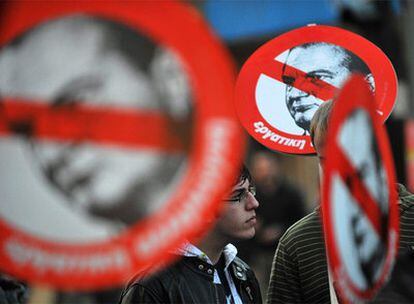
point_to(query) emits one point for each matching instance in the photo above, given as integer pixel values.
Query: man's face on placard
(319, 61)
(79, 68)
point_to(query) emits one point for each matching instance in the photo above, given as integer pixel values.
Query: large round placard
(359, 201)
(282, 84)
(38, 243)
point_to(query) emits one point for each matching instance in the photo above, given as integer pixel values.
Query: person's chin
(248, 234)
(303, 123)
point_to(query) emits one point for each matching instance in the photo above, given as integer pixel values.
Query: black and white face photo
(288, 108)
(319, 61)
(88, 188)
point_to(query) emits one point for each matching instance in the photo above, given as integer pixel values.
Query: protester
(299, 271)
(209, 272)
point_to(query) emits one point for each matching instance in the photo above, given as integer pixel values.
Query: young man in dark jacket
(209, 272)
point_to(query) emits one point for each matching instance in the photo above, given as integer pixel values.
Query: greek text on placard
(272, 136)
(22, 254)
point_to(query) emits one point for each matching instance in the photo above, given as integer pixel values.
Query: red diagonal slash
(100, 125)
(359, 191)
(316, 87)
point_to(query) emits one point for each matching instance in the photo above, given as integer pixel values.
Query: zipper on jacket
(249, 293)
(216, 294)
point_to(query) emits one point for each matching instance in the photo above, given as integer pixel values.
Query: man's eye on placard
(78, 90)
(288, 80)
(317, 75)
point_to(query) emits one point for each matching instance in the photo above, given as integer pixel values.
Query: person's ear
(370, 79)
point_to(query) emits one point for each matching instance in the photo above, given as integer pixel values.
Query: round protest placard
(282, 84)
(115, 144)
(359, 200)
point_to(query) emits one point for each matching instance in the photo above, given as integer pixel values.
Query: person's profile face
(324, 62)
(238, 218)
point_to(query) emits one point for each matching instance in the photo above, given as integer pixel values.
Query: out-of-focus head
(265, 167)
(319, 61)
(319, 128)
(319, 125)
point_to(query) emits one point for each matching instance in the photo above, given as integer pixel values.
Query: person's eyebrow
(289, 80)
(70, 91)
(238, 191)
(320, 71)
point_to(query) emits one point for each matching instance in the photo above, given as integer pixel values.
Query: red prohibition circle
(263, 63)
(356, 96)
(212, 164)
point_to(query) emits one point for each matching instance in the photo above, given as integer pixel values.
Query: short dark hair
(244, 175)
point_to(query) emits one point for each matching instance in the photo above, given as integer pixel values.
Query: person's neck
(213, 246)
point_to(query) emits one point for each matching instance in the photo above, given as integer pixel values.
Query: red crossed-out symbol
(100, 125)
(300, 80)
(356, 96)
(363, 196)
(263, 62)
(109, 262)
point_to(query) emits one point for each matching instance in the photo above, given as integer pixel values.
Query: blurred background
(243, 26)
